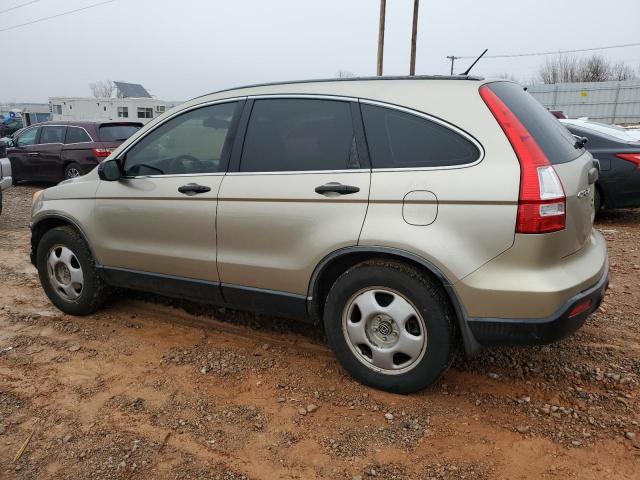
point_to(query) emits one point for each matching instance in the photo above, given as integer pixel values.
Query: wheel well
(42, 227)
(330, 273)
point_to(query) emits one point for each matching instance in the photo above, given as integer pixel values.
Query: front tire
(68, 272)
(390, 326)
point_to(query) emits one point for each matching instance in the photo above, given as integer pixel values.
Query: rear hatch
(112, 134)
(573, 165)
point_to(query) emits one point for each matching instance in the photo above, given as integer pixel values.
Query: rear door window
(117, 133)
(77, 135)
(286, 135)
(52, 134)
(402, 140)
(555, 140)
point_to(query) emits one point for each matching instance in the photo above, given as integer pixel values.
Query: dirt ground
(151, 389)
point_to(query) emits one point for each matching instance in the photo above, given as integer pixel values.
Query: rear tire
(72, 170)
(597, 201)
(390, 326)
(68, 272)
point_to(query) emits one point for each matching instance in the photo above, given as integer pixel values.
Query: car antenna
(466, 72)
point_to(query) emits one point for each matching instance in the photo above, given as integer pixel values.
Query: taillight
(542, 201)
(630, 157)
(102, 152)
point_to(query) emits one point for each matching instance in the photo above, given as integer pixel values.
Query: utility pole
(383, 7)
(453, 59)
(414, 36)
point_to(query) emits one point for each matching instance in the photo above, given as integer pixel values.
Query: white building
(129, 102)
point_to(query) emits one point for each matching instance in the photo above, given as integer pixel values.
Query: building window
(123, 112)
(56, 109)
(160, 108)
(145, 112)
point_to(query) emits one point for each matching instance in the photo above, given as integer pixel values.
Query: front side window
(287, 135)
(54, 134)
(77, 135)
(401, 140)
(189, 143)
(145, 112)
(26, 138)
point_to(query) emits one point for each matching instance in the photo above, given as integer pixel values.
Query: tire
(374, 284)
(72, 170)
(597, 201)
(60, 282)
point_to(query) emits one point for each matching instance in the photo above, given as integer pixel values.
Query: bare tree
(596, 68)
(345, 74)
(102, 88)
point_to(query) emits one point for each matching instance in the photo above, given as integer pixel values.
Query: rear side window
(555, 140)
(401, 140)
(52, 134)
(117, 133)
(77, 135)
(287, 135)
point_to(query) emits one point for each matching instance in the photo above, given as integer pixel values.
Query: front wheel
(68, 272)
(390, 326)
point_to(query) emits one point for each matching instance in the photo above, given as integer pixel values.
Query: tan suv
(408, 215)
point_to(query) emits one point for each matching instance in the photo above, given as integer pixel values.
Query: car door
(157, 224)
(23, 155)
(296, 191)
(49, 149)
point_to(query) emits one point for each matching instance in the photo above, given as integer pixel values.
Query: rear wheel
(68, 273)
(597, 201)
(72, 170)
(390, 326)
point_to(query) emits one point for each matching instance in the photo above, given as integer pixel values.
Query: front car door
(157, 224)
(296, 191)
(23, 155)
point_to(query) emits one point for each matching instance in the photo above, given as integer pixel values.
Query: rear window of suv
(117, 133)
(556, 142)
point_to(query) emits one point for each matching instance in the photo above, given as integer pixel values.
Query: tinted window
(189, 143)
(556, 142)
(52, 134)
(28, 137)
(117, 133)
(76, 135)
(401, 140)
(294, 135)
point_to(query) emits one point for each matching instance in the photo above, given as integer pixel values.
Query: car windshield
(117, 133)
(612, 130)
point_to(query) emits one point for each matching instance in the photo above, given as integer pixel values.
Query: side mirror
(109, 171)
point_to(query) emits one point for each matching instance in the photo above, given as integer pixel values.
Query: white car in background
(624, 134)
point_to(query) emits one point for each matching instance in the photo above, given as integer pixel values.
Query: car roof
(613, 131)
(83, 123)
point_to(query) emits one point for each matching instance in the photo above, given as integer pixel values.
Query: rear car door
(157, 223)
(296, 191)
(49, 149)
(23, 155)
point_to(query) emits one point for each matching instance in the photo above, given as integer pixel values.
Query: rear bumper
(520, 331)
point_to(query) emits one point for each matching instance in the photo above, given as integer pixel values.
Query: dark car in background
(54, 151)
(619, 155)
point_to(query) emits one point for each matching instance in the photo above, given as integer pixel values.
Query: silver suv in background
(409, 216)
(6, 179)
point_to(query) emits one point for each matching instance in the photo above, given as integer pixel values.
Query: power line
(19, 6)
(56, 16)
(558, 52)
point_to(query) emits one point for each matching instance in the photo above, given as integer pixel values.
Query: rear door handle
(193, 189)
(334, 187)
(33, 154)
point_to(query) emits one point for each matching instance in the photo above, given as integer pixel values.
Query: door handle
(193, 189)
(333, 187)
(33, 154)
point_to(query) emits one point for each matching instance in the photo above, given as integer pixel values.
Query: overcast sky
(185, 48)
